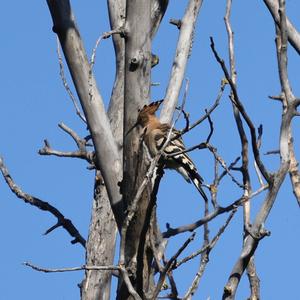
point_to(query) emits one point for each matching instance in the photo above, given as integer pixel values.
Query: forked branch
(293, 34)
(257, 230)
(42, 205)
(81, 143)
(107, 155)
(243, 112)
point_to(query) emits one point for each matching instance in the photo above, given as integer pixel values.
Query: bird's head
(147, 112)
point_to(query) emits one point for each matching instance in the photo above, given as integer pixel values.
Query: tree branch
(170, 264)
(182, 54)
(251, 270)
(218, 211)
(257, 230)
(96, 268)
(81, 143)
(107, 155)
(211, 244)
(203, 261)
(65, 83)
(71, 269)
(293, 34)
(241, 109)
(42, 205)
(158, 9)
(208, 112)
(47, 150)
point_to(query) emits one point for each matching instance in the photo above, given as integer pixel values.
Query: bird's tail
(197, 181)
(191, 172)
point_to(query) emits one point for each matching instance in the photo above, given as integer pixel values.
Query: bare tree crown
(129, 147)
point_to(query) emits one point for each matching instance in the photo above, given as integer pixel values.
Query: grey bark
(107, 156)
(100, 247)
(101, 241)
(102, 234)
(293, 34)
(288, 112)
(184, 45)
(116, 9)
(136, 94)
(158, 9)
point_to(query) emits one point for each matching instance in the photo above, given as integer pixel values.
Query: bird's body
(156, 135)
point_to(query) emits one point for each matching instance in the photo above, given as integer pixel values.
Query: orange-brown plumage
(147, 114)
(155, 135)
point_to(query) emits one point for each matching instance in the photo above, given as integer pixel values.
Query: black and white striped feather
(181, 163)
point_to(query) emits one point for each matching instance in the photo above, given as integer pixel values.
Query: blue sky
(34, 102)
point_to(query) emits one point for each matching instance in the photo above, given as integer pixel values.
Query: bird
(155, 136)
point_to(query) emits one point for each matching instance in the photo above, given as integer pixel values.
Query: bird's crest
(151, 108)
(147, 111)
(144, 112)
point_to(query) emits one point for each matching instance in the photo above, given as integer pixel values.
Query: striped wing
(182, 163)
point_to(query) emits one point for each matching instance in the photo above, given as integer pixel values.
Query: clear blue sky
(33, 102)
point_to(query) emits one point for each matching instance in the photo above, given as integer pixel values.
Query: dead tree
(127, 174)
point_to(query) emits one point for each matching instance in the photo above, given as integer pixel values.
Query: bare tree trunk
(137, 93)
(102, 234)
(100, 248)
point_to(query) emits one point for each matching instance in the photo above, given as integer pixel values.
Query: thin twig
(174, 290)
(104, 35)
(271, 152)
(242, 110)
(71, 269)
(120, 269)
(231, 167)
(218, 211)
(169, 265)
(211, 244)
(47, 150)
(204, 259)
(181, 108)
(258, 173)
(81, 153)
(191, 290)
(208, 112)
(65, 83)
(79, 141)
(213, 150)
(128, 283)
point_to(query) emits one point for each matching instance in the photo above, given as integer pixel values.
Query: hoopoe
(155, 136)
